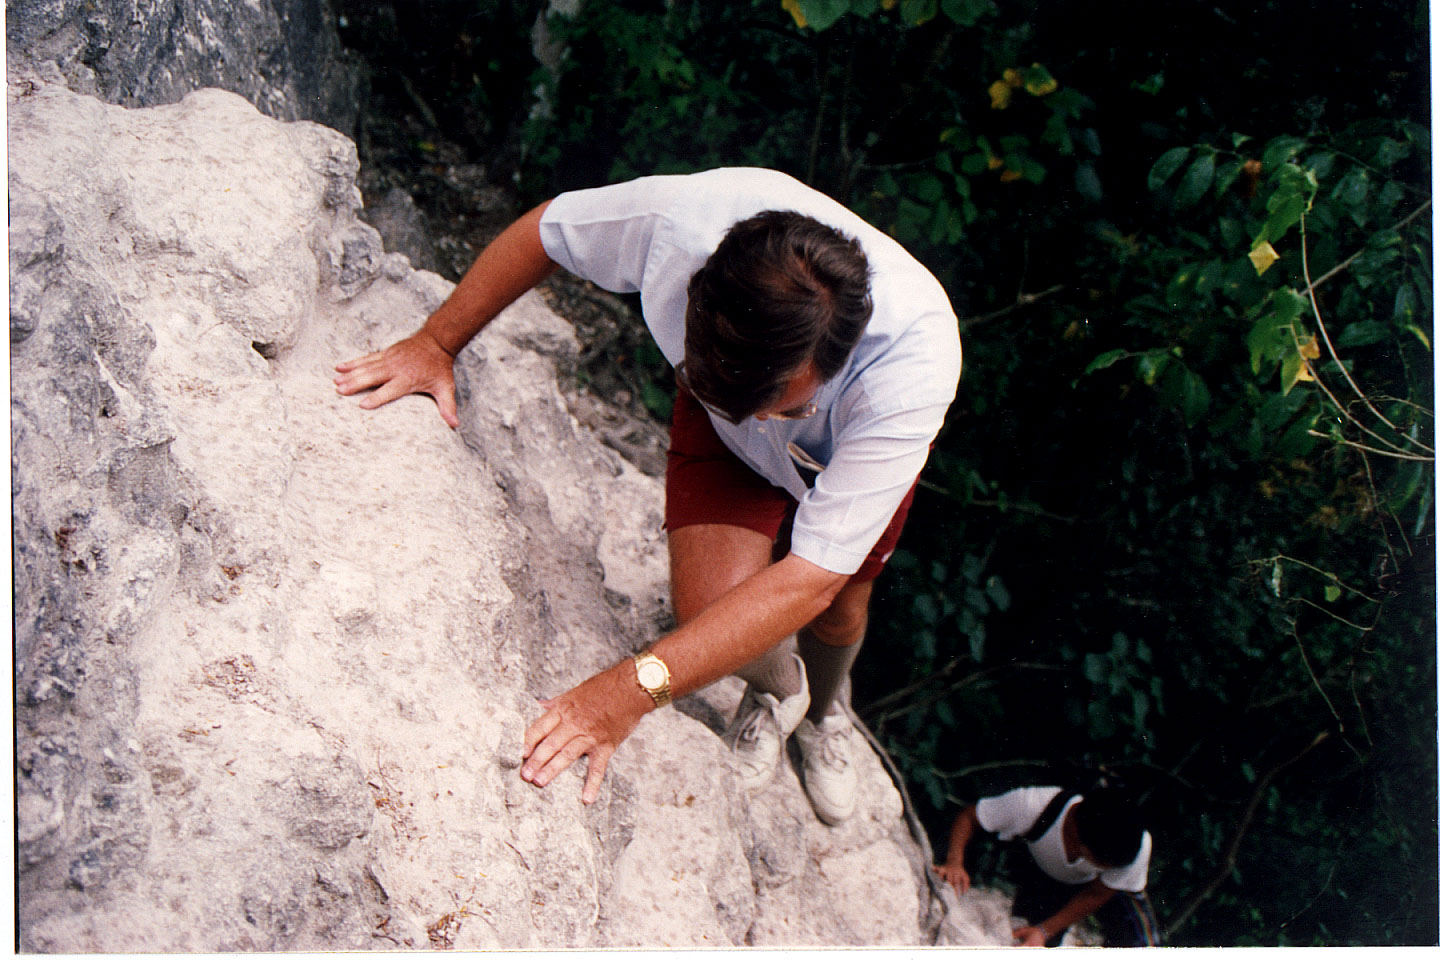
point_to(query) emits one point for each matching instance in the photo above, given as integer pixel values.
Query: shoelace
(750, 732)
(830, 748)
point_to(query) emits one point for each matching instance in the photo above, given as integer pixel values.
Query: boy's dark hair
(780, 291)
(1108, 823)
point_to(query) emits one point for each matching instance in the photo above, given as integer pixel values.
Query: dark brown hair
(1107, 821)
(780, 291)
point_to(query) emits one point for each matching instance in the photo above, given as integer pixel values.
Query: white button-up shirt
(876, 418)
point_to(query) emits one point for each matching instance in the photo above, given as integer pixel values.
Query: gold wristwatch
(653, 677)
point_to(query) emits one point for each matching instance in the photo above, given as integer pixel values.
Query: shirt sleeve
(1132, 877)
(605, 234)
(1012, 814)
(875, 463)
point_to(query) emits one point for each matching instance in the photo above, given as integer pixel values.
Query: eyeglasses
(802, 412)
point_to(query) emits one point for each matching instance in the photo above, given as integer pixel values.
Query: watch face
(651, 675)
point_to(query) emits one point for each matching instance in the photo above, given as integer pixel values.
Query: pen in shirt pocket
(803, 458)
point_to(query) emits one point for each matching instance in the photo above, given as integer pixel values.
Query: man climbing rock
(1088, 854)
(815, 360)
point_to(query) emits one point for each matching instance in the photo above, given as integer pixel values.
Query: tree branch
(1320, 322)
(1345, 265)
(1021, 300)
(1232, 849)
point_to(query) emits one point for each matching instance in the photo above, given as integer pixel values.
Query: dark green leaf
(1165, 167)
(822, 14)
(974, 163)
(1406, 305)
(1151, 364)
(1226, 174)
(1106, 359)
(1390, 152)
(656, 400)
(966, 13)
(926, 608)
(1196, 181)
(1102, 720)
(975, 600)
(997, 593)
(1352, 188)
(1280, 150)
(1195, 398)
(928, 189)
(1140, 704)
(1297, 441)
(1285, 208)
(1232, 232)
(1362, 334)
(916, 12)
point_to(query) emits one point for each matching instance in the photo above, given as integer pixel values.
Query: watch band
(653, 676)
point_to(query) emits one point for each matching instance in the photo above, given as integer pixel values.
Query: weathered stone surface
(274, 655)
(284, 56)
(402, 226)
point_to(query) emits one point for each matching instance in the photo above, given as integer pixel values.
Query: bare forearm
(1090, 898)
(593, 718)
(960, 833)
(747, 621)
(511, 264)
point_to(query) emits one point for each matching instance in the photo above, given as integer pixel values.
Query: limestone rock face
(274, 655)
(284, 56)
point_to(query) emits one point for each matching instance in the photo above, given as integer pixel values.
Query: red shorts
(706, 483)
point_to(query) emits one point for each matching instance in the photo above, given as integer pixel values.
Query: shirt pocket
(805, 465)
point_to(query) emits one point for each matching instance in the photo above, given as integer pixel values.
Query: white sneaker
(830, 777)
(758, 732)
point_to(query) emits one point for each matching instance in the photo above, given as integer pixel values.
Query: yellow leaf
(1010, 175)
(1263, 257)
(1304, 372)
(994, 162)
(999, 95)
(793, 8)
(1013, 77)
(1309, 349)
(1040, 82)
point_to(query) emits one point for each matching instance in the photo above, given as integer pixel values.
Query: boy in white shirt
(1088, 854)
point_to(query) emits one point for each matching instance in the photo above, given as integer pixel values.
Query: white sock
(775, 672)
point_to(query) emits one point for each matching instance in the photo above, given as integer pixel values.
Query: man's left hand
(589, 720)
(1030, 936)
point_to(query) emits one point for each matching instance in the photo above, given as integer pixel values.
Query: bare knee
(843, 622)
(709, 560)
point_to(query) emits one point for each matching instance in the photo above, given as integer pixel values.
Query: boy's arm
(424, 362)
(952, 871)
(1086, 901)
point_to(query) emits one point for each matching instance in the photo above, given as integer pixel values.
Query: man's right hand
(417, 364)
(957, 877)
